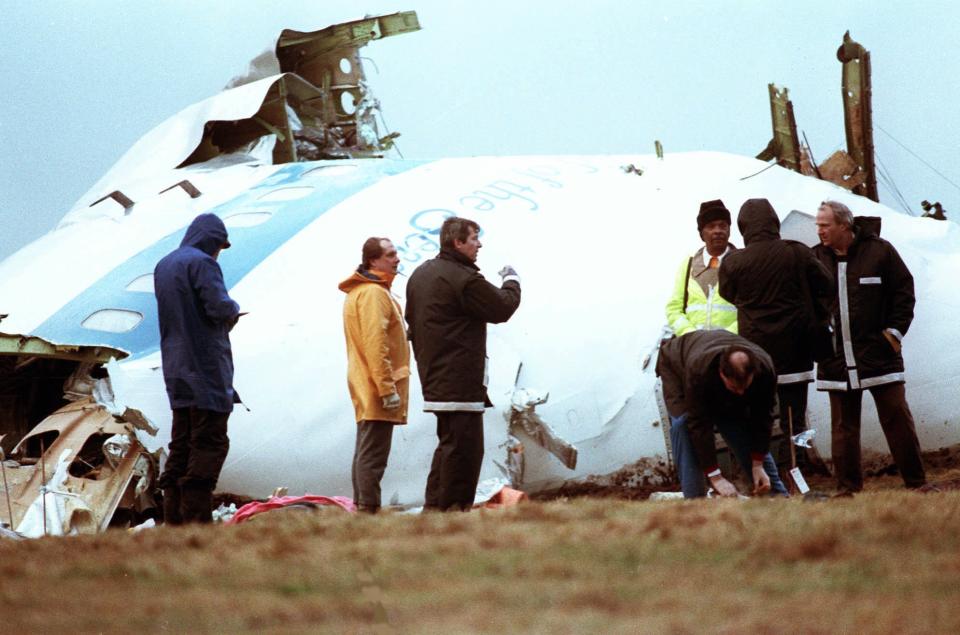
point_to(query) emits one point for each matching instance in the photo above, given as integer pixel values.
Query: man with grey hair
(874, 308)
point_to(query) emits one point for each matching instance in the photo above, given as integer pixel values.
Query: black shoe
(196, 504)
(171, 506)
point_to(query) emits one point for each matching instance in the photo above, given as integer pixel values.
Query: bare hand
(893, 340)
(723, 487)
(761, 480)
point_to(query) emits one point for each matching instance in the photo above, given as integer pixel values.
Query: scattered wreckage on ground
(290, 155)
(82, 468)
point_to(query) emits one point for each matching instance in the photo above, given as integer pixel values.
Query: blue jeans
(692, 482)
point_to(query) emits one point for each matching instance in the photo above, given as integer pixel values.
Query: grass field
(887, 561)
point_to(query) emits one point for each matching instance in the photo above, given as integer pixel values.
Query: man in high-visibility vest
(695, 303)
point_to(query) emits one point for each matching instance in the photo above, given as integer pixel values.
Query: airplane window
(345, 66)
(331, 170)
(142, 284)
(287, 193)
(112, 320)
(347, 103)
(246, 219)
(110, 207)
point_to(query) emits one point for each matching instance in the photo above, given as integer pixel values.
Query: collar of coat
(697, 267)
(363, 276)
(456, 256)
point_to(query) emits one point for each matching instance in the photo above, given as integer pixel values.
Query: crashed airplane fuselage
(597, 247)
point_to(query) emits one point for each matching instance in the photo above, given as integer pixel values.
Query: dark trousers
(455, 471)
(898, 427)
(369, 462)
(793, 406)
(198, 447)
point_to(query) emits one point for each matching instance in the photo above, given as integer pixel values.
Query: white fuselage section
(597, 249)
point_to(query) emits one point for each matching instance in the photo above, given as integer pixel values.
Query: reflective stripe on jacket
(705, 311)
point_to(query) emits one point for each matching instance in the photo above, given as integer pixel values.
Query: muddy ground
(885, 561)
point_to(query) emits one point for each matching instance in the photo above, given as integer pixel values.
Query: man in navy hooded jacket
(196, 315)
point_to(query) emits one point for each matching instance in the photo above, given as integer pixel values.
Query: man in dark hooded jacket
(196, 315)
(873, 308)
(773, 282)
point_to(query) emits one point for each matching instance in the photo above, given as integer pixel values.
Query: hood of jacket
(206, 233)
(867, 226)
(758, 221)
(366, 276)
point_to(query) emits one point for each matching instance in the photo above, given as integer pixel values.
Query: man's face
(388, 260)
(716, 235)
(830, 232)
(470, 246)
(737, 389)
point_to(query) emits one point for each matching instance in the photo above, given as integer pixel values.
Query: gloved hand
(723, 487)
(391, 401)
(509, 273)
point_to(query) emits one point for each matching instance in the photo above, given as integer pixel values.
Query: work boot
(368, 509)
(196, 503)
(171, 506)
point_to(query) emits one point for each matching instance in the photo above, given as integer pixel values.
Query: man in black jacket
(874, 308)
(448, 306)
(778, 287)
(715, 379)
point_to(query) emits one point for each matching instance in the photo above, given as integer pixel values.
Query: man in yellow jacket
(378, 365)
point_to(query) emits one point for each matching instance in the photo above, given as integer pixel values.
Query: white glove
(509, 273)
(391, 401)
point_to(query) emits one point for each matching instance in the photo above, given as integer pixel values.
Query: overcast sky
(82, 81)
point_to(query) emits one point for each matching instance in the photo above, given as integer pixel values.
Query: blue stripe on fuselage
(250, 246)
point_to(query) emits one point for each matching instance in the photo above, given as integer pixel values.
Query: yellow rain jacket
(378, 355)
(706, 310)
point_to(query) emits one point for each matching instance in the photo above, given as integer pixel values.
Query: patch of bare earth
(886, 561)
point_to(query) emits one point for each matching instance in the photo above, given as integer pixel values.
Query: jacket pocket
(875, 352)
(871, 280)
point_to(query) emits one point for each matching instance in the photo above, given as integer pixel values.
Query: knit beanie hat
(711, 211)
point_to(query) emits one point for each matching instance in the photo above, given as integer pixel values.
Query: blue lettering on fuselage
(250, 246)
